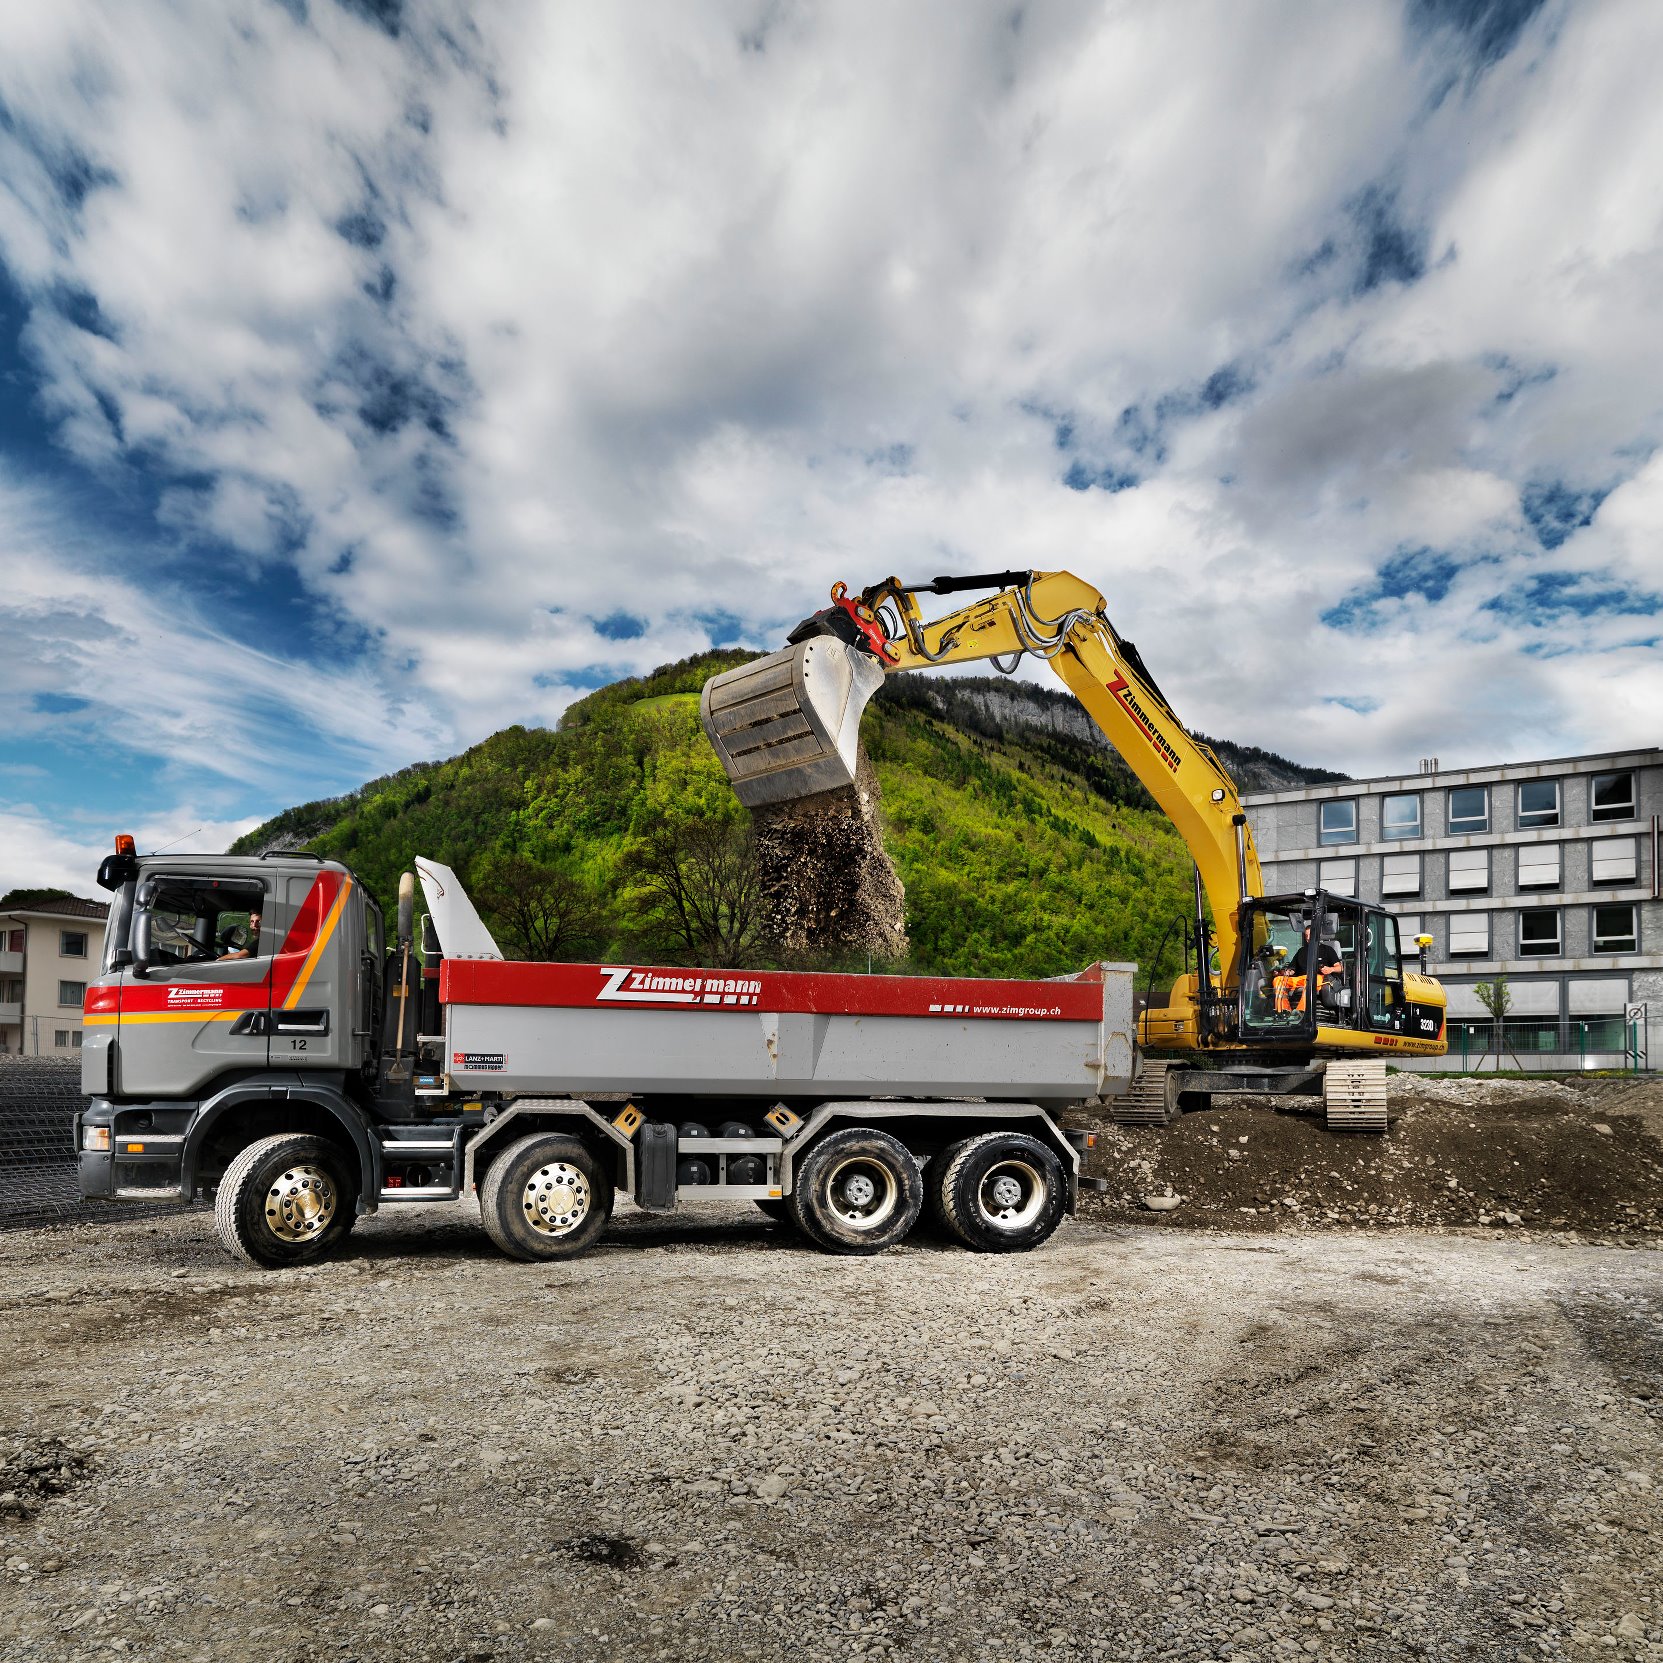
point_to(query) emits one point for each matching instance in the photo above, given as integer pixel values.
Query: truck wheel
(856, 1191)
(1003, 1192)
(285, 1200)
(545, 1197)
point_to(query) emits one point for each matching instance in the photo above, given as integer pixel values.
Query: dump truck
(256, 1034)
(1303, 994)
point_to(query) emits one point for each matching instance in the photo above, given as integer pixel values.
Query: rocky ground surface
(705, 1441)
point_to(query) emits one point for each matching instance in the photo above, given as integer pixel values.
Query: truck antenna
(180, 839)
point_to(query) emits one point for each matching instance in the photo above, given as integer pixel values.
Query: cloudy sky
(375, 374)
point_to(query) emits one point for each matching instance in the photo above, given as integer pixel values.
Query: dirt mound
(828, 887)
(1514, 1154)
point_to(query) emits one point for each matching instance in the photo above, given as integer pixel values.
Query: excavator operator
(1314, 963)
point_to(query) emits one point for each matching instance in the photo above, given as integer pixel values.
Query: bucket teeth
(788, 725)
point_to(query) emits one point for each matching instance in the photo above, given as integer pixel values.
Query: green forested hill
(1024, 850)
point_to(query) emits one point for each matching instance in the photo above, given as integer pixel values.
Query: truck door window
(195, 920)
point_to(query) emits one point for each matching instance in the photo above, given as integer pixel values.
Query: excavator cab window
(1274, 995)
(1386, 1005)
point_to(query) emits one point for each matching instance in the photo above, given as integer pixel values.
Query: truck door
(316, 973)
(196, 1001)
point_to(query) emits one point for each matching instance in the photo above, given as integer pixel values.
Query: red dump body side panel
(631, 987)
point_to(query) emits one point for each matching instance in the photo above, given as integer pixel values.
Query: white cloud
(38, 851)
(508, 322)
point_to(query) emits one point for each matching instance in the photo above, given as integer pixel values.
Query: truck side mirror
(121, 958)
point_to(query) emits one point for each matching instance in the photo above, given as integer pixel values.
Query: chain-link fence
(39, 1099)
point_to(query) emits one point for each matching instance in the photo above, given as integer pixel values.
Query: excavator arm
(786, 726)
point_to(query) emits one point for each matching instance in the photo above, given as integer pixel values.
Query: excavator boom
(785, 726)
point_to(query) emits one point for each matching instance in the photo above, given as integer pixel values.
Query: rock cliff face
(1001, 709)
(828, 886)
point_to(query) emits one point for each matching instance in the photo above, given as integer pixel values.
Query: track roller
(1354, 1096)
(1153, 1098)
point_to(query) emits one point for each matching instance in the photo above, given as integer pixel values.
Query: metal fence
(39, 1099)
(1549, 1043)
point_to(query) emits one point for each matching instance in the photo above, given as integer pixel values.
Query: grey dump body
(771, 1054)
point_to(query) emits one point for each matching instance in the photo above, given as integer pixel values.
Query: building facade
(1545, 872)
(48, 954)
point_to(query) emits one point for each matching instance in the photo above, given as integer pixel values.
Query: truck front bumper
(130, 1151)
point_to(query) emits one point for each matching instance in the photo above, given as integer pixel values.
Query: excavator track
(1354, 1095)
(1152, 1099)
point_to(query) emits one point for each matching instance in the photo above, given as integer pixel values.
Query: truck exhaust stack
(788, 725)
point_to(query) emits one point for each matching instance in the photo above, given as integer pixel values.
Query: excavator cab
(1317, 960)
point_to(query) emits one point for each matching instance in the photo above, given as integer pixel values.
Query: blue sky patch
(1555, 510)
(1360, 703)
(1423, 572)
(1549, 597)
(620, 626)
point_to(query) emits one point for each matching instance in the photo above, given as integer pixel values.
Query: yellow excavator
(1297, 994)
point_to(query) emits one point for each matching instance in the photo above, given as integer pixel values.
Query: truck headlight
(96, 1139)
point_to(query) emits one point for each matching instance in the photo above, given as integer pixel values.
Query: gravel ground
(706, 1441)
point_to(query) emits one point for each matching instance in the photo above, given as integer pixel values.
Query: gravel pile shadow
(1532, 1154)
(828, 887)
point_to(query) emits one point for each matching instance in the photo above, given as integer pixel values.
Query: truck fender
(317, 1094)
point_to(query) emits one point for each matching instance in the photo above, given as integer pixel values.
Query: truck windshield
(193, 920)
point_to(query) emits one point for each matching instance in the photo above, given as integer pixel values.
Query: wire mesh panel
(39, 1099)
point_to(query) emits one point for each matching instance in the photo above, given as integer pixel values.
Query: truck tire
(546, 1196)
(286, 1200)
(856, 1191)
(1003, 1192)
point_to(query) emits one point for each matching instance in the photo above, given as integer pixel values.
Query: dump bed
(586, 1029)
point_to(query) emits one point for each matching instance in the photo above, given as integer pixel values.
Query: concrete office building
(48, 954)
(1545, 872)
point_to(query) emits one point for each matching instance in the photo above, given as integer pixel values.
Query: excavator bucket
(788, 725)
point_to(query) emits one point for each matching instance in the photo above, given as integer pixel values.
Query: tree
(33, 897)
(700, 880)
(544, 912)
(1497, 998)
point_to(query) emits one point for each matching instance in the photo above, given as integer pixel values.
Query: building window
(60, 1038)
(72, 993)
(1339, 876)
(14, 941)
(1469, 810)
(1616, 930)
(1408, 930)
(1337, 823)
(1538, 866)
(1614, 859)
(1611, 797)
(1538, 803)
(1469, 932)
(72, 944)
(1539, 933)
(1400, 874)
(1400, 816)
(1469, 870)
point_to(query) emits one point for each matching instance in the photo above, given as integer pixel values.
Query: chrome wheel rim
(1011, 1195)
(862, 1193)
(556, 1199)
(300, 1203)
